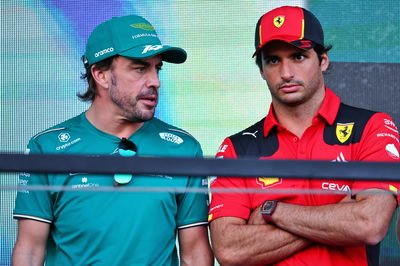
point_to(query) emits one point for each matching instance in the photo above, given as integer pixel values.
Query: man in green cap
(73, 227)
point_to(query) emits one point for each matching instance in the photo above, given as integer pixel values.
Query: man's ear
(101, 77)
(262, 74)
(324, 62)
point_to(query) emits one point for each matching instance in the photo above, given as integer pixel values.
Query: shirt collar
(328, 111)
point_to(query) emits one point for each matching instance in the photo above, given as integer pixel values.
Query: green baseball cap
(130, 36)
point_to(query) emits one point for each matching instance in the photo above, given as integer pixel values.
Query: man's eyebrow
(143, 63)
(268, 56)
(139, 62)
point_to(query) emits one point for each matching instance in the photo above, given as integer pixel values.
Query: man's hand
(256, 217)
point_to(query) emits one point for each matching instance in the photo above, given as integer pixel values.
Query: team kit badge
(343, 131)
(278, 21)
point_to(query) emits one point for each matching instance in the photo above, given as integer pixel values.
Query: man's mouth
(150, 100)
(290, 87)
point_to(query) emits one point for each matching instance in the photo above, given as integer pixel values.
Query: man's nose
(153, 79)
(287, 72)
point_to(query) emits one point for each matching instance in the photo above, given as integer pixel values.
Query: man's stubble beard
(129, 107)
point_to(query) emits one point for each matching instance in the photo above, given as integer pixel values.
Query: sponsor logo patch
(379, 135)
(151, 48)
(251, 134)
(22, 183)
(390, 125)
(305, 44)
(85, 184)
(336, 187)
(278, 21)
(144, 35)
(340, 158)
(343, 131)
(63, 137)
(392, 151)
(222, 148)
(68, 144)
(267, 182)
(105, 51)
(171, 137)
(142, 26)
(393, 189)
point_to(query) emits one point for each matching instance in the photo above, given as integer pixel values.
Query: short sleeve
(234, 204)
(30, 203)
(193, 205)
(379, 143)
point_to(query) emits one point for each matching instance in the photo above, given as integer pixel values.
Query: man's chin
(144, 116)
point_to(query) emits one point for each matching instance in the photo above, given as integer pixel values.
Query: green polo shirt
(112, 228)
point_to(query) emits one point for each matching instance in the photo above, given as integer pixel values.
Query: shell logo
(267, 182)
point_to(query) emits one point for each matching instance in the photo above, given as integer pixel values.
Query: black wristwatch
(267, 209)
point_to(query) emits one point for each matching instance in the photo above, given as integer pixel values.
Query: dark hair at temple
(91, 91)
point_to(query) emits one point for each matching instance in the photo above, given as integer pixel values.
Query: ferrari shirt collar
(328, 111)
(329, 107)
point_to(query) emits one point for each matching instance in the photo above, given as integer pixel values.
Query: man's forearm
(244, 244)
(24, 257)
(345, 224)
(194, 246)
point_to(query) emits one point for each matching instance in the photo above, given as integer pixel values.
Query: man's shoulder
(353, 112)
(252, 132)
(60, 132)
(353, 123)
(251, 141)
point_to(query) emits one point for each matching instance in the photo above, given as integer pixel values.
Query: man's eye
(299, 57)
(271, 60)
(139, 69)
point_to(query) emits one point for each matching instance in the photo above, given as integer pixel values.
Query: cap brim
(302, 44)
(169, 54)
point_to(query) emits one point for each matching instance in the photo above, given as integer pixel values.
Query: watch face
(268, 206)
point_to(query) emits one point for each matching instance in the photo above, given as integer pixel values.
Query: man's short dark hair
(91, 91)
(319, 49)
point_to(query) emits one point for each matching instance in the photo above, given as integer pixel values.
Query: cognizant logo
(105, 51)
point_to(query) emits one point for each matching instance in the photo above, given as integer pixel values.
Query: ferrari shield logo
(278, 21)
(266, 182)
(343, 131)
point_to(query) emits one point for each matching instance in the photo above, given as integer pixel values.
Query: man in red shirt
(290, 224)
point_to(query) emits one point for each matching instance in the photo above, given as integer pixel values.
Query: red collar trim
(328, 111)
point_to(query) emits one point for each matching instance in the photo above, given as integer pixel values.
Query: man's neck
(106, 119)
(299, 117)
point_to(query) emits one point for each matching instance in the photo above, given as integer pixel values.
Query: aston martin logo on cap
(278, 21)
(142, 26)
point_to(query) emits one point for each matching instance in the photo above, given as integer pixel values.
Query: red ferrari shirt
(338, 133)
